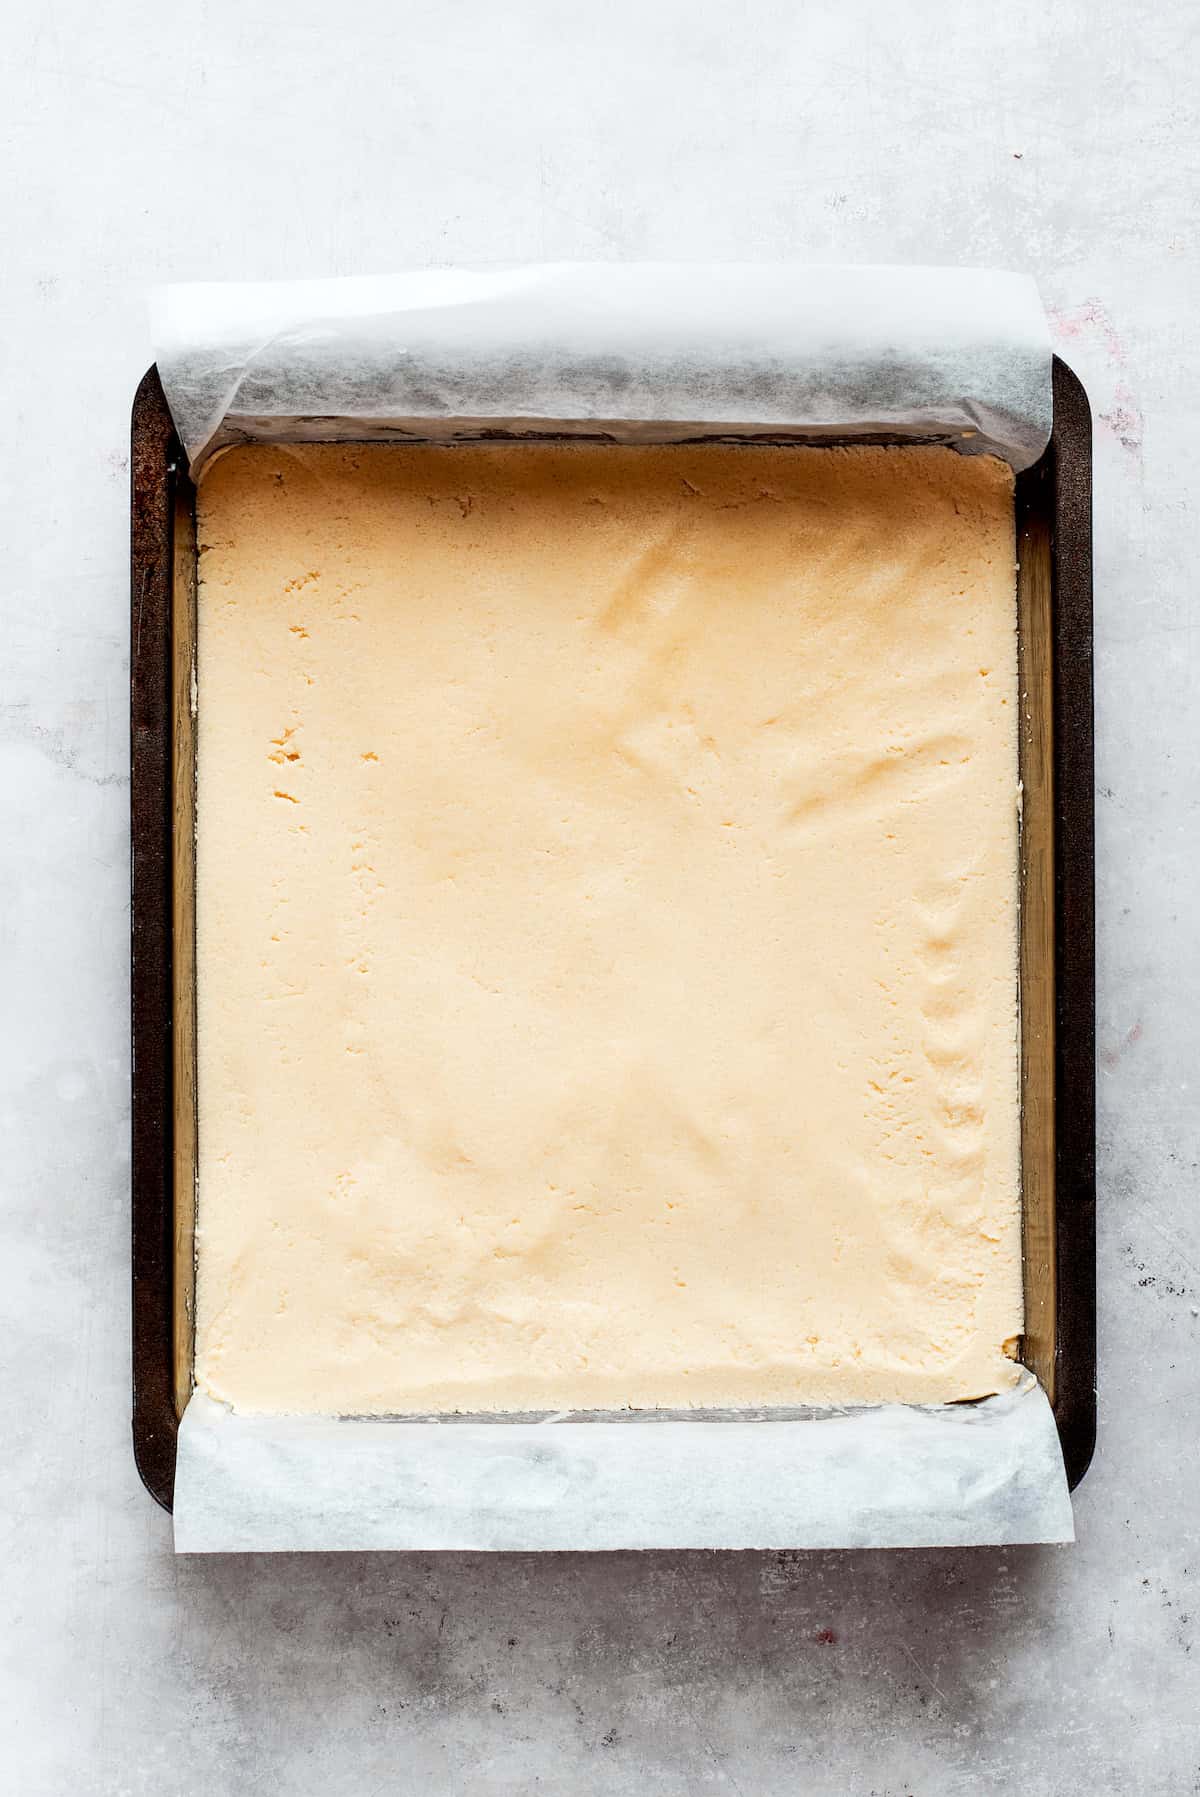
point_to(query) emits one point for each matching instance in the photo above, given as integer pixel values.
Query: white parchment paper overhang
(893, 1476)
(641, 352)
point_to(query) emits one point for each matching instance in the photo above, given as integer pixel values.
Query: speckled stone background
(143, 142)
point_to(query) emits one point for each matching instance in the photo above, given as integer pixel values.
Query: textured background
(143, 142)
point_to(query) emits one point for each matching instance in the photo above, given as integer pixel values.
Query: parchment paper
(894, 1476)
(638, 353)
(641, 350)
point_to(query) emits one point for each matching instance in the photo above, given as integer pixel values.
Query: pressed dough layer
(607, 881)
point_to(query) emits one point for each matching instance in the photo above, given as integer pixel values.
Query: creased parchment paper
(650, 352)
(639, 351)
(895, 1476)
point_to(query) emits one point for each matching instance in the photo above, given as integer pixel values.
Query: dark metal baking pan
(1054, 608)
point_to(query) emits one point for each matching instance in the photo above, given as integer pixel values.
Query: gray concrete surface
(286, 137)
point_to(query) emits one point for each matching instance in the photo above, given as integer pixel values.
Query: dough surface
(607, 901)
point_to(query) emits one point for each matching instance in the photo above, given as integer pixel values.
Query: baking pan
(1057, 967)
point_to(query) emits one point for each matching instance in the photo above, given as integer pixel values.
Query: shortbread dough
(607, 897)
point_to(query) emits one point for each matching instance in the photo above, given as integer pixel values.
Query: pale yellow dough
(607, 927)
